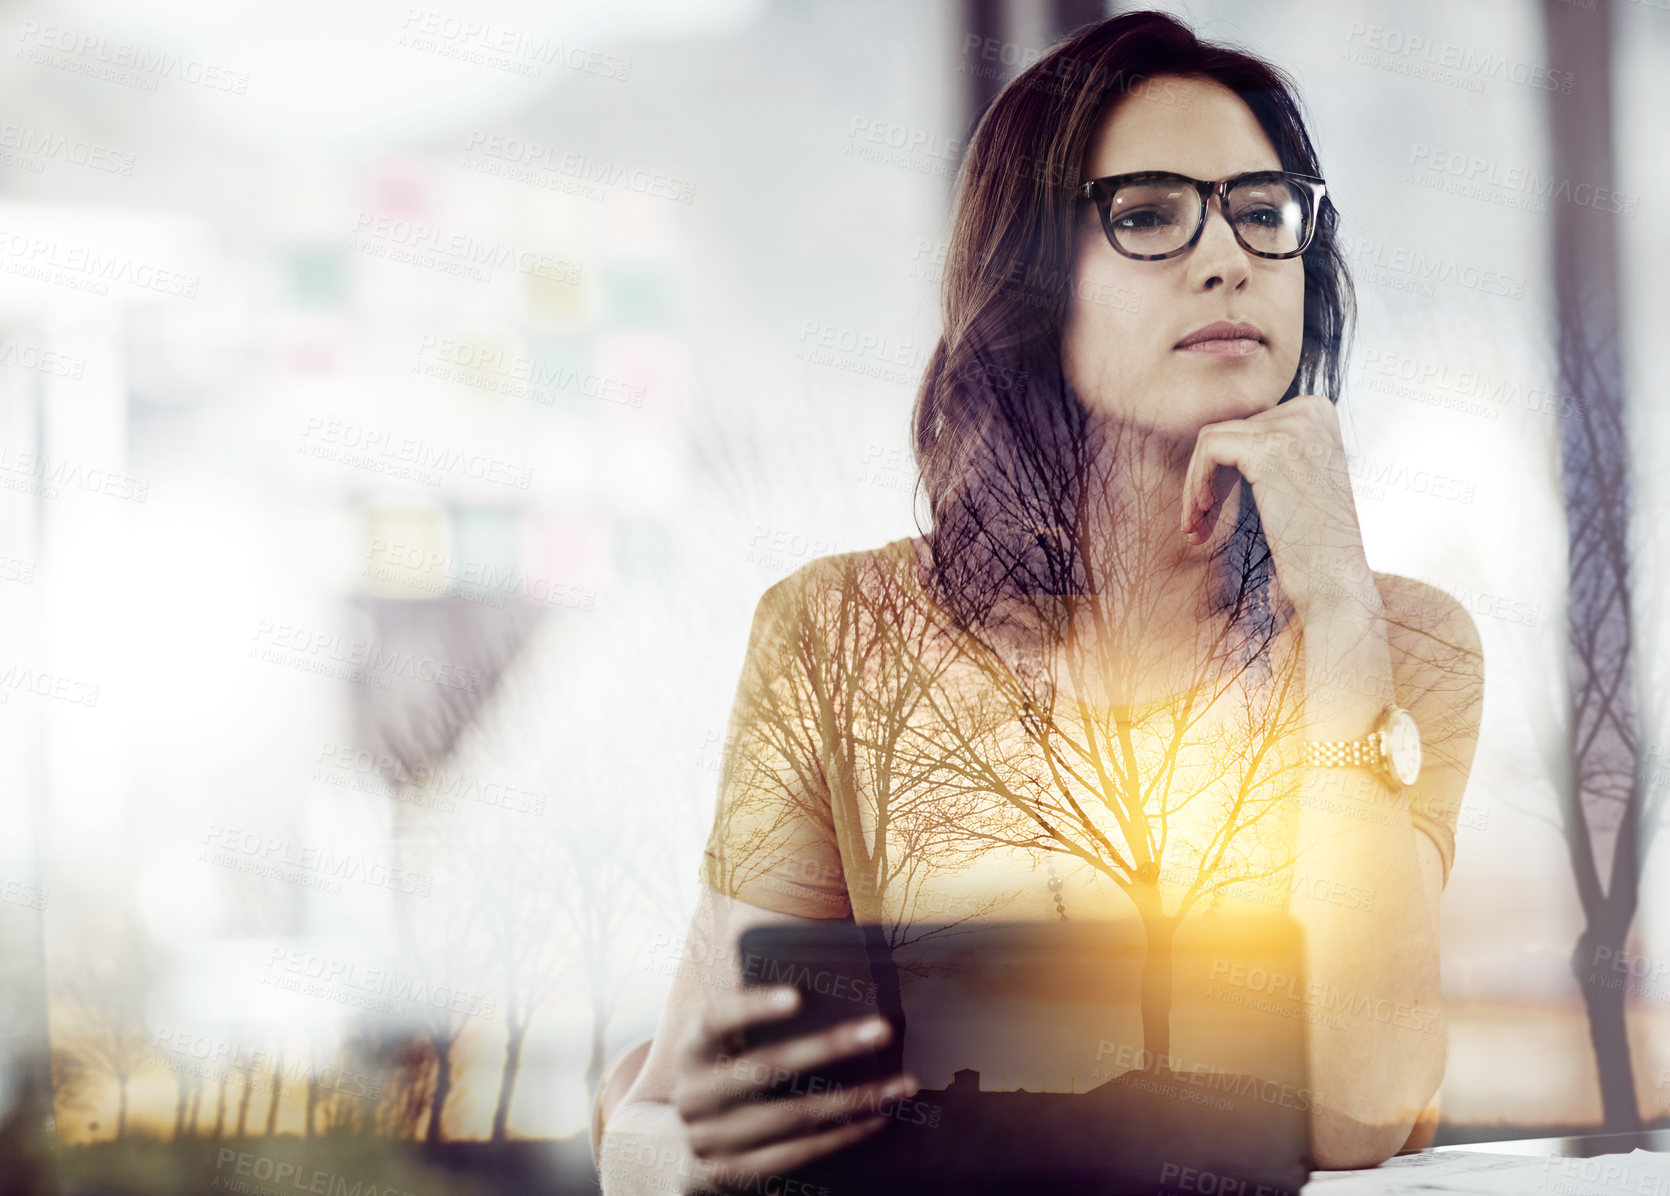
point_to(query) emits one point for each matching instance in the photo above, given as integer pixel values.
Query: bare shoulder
(894, 568)
(1418, 611)
(1437, 656)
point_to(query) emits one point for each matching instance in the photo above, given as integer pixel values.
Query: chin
(1182, 416)
(1239, 403)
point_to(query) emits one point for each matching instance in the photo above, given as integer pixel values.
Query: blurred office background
(402, 408)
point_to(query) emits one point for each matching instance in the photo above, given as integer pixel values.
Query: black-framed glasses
(1154, 214)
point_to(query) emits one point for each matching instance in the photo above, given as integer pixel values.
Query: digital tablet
(1063, 1056)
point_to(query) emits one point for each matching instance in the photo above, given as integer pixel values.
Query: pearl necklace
(1055, 883)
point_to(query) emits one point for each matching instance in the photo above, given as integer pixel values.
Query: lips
(1239, 337)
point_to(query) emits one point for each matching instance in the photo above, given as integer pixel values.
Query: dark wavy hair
(999, 436)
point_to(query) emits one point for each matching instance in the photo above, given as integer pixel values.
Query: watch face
(1403, 747)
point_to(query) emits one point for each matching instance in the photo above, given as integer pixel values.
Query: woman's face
(1125, 317)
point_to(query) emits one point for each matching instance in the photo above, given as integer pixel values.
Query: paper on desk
(1414, 1173)
(1479, 1173)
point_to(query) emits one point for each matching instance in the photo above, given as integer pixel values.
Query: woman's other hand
(743, 1132)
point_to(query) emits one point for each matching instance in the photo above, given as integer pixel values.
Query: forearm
(645, 1152)
(1377, 1031)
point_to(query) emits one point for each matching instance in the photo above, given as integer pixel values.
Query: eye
(1261, 217)
(1143, 220)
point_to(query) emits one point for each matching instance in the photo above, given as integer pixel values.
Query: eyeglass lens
(1156, 216)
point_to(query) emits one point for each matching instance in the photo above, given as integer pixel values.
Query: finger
(749, 1075)
(1187, 519)
(781, 1158)
(1209, 454)
(1224, 454)
(760, 1123)
(1218, 490)
(731, 1014)
(813, 1050)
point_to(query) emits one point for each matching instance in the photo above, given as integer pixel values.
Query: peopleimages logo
(39, 145)
(380, 451)
(16, 678)
(49, 259)
(535, 161)
(1470, 171)
(290, 1177)
(519, 374)
(124, 62)
(421, 567)
(1424, 269)
(1420, 56)
(351, 983)
(361, 660)
(311, 865)
(1264, 988)
(262, 1068)
(514, 51)
(43, 361)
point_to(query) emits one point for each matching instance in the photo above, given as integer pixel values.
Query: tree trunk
(243, 1103)
(1608, 1029)
(278, 1091)
(443, 1089)
(1607, 786)
(507, 1078)
(220, 1107)
(192, 1121)
(884, 972)
(1156, 985)
(121, 1107)
(179, 1105)
(599, 1036)
(312, 1101)
(600, 1029)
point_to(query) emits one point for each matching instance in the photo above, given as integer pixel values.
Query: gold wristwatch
(1393, 749)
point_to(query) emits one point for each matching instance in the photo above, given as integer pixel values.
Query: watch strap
(1367, 752)
(1342, 753)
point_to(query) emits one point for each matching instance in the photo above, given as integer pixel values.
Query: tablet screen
(1087, 1052)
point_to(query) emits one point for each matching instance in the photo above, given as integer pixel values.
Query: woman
(1095, 683)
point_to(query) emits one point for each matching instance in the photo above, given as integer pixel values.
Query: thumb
(1224, 481)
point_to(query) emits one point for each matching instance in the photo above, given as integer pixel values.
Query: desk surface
(1583, 1146)
(1580, 1165)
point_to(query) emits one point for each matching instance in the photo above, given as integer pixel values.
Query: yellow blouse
(883, 763)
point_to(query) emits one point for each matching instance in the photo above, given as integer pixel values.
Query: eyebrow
(1186, 174)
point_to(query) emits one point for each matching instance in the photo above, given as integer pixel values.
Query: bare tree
(607, 862)
(71, 1082)
(561, 888)
(105, 1003)
(220, 1103)
(313, 1091)
(246, 1090)
(188, 1096)
(1607, 801)
(924, 728)
(441, 939)
(192, 1122)
(370, 1073)
(408, 1097)
(276, 1092)
(517, 877)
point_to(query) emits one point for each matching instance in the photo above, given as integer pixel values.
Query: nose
(1217, 258)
